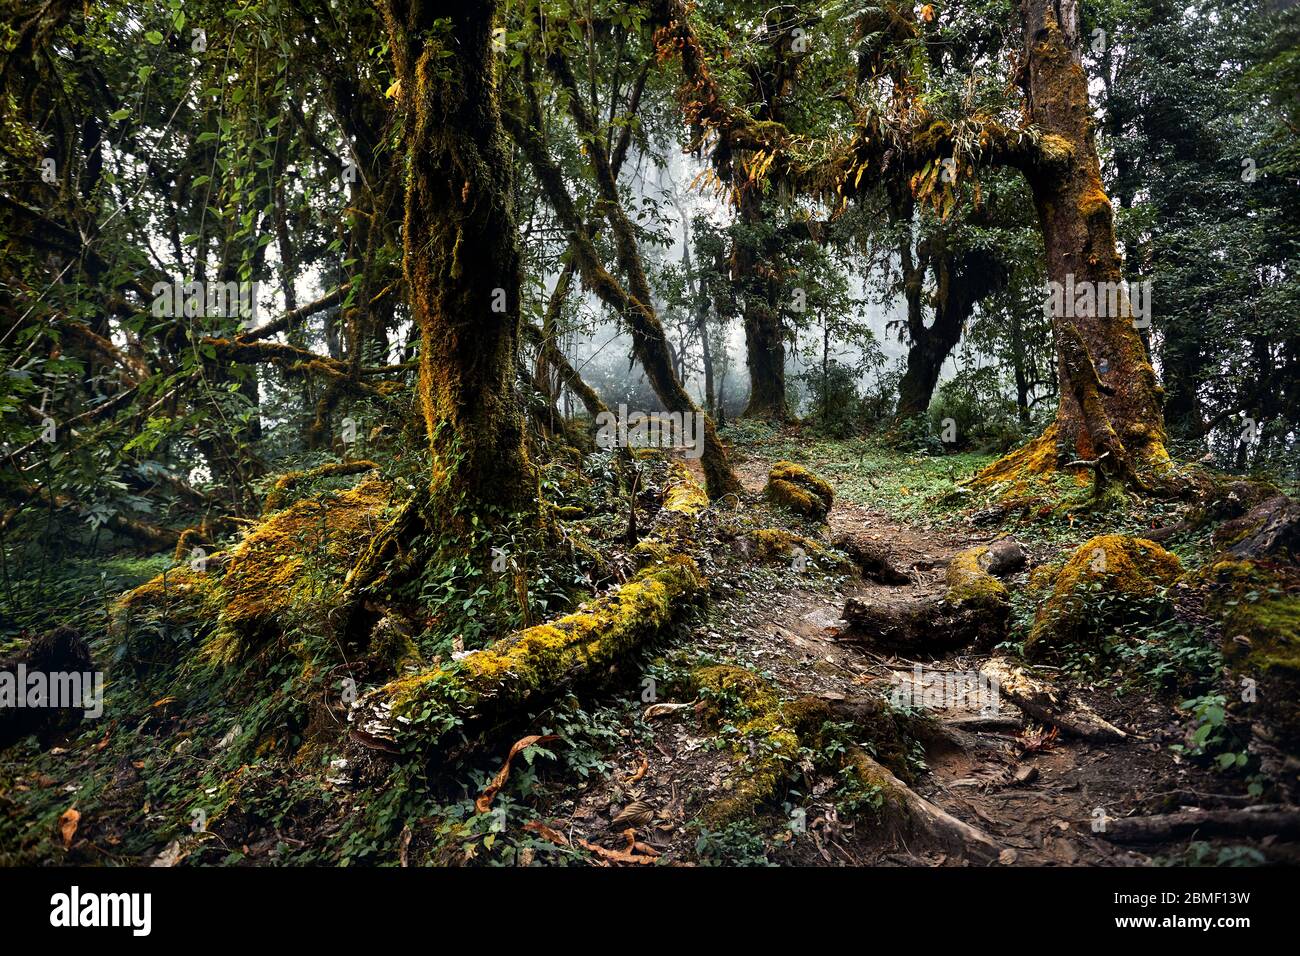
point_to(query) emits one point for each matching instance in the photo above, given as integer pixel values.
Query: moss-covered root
(798, 489)
(1122, 568)
(489, 686)
(767, 748)
(973, 610)
(283, 488)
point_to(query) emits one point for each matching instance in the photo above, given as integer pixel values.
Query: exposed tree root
(1045, 703)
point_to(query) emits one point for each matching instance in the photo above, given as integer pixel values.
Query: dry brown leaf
(484, 802)
(546, 833)
(615, 856)
(68, 823)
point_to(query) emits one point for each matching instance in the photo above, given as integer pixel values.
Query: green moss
(1113, 565)
(533, 663)
(968, 583)
(798, 489)
(289, 558)
(766, 746)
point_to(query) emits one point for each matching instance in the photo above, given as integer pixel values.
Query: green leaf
(154, 37)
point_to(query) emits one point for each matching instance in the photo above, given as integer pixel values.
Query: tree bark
(1109, 399)
(461, 258)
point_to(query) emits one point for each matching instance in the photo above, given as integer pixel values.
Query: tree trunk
(1110, 403)
(460, 254)
(764, 336)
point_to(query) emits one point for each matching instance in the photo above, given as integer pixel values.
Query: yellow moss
(1260, 603)
(301, 553)
(1033, 462)
(684, 495)
(766, 747)
(182, 596)
(279, 493)
(968, 583)
(795, 487)
(535, 662)
(1115, 564)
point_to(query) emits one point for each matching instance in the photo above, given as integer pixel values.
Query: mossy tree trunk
(461, 257)
(1109, 399)
(764, 336)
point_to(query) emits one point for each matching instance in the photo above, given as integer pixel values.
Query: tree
(461, 256)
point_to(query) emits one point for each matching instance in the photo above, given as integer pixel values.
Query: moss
(297, 555)
(684, 495)
(1258, 604)
(181, 596)
(1113, 564)
(798, 489)
(766, 747)
(1030, 464)
(533, 663)
(278, 497)
(969, 583)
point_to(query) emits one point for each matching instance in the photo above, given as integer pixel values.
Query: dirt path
(1039, 799)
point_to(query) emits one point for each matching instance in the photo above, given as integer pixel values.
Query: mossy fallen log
(426, 713)
(872, 559)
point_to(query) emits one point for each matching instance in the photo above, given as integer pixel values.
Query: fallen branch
(1043, 702)
(1262, 821)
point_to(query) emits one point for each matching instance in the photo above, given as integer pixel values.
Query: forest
(649, 433)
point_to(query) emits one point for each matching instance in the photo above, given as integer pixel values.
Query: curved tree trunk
(461, 259)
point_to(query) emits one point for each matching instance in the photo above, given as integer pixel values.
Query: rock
(1258, 604)
(1004, 556)
(798, 489)
(1269, 530)
(1123, 569)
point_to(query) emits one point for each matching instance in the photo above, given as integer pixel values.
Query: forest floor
(1040, 799)
(135, 783)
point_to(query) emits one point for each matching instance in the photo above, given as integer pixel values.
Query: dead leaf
(546, 833)
(68, 823)
(484, 802)
(662, 710)
(616, 856)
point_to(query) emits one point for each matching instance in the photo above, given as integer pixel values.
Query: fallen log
(974, 609)
(872, 559)
(1262, 821)
(1050, 705)
(482, 691)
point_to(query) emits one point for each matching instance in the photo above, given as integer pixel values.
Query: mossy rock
(1258, 604)
(969, 585)
(798, 489)
(1118, 566)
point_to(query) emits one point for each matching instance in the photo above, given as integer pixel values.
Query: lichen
(1116, 565)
